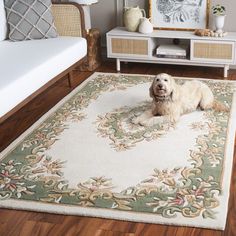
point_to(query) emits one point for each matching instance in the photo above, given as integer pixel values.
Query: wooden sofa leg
(70, 77)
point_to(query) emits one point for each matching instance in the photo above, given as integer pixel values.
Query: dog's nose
(160, 86)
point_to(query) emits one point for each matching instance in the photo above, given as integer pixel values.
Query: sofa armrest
(69, 19)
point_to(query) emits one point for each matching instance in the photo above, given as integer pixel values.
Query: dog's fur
(173, 100)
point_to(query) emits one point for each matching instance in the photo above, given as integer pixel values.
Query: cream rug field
(85, 157)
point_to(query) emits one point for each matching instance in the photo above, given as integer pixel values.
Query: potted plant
(219, 16)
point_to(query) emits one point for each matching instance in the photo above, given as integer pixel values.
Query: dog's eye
(165, 80)
(157, 79)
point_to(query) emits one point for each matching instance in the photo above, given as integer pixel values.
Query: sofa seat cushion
(28, 65)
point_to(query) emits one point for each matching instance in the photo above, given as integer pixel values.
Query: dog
(171, 100)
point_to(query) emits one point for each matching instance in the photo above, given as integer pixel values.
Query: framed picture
(179, 14)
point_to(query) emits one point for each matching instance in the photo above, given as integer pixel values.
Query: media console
(204, 51)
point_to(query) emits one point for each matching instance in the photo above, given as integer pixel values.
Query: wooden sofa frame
(67, 10)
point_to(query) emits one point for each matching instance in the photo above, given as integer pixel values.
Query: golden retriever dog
(171, 100)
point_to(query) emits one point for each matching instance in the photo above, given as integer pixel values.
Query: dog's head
(163, 87)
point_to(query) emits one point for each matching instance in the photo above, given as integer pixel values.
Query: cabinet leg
(226, 68)
(118, 64)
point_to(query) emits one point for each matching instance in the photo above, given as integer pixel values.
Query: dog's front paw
(147, 123)
(153, 121)
(136, 120)
(173, 119)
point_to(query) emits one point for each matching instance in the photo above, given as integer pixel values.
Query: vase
(219, 23)
(145, 26)
(132, 16)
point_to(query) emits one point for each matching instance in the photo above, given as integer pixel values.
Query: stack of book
(172, 51)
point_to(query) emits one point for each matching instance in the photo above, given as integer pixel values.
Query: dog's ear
(151, 93)
(175, 90)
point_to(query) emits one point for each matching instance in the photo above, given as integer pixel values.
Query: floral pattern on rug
(118, 127)
(27, 173)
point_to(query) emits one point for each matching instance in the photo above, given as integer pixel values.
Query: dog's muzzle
(160, 90)
(163, 98)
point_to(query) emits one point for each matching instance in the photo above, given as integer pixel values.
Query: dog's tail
(219, 107)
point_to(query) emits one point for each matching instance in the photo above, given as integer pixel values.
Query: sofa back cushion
(30, 19)
(3, 22)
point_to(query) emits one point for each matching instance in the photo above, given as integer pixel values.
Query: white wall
(107, 14)
(104, 14)
(230, 20)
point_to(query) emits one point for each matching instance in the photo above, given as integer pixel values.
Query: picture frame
(179, 14)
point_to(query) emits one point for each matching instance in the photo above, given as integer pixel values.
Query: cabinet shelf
(169, 59)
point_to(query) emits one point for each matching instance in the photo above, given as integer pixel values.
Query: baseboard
(104, 51)
(233, 67)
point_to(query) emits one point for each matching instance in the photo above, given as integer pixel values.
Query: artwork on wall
(179, 14)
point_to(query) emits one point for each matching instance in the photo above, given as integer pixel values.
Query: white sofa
(27, 66)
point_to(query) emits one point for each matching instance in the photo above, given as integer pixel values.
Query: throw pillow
(30, 19)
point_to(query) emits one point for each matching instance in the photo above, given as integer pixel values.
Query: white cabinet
(129, 46)
(204, 51)
(212, 51)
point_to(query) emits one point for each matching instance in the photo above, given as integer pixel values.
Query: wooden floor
(25, 223)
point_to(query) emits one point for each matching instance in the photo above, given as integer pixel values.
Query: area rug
(85, 157)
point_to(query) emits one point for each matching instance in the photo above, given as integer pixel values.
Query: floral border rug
(86, 157)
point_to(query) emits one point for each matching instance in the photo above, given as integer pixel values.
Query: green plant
(218, 10)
